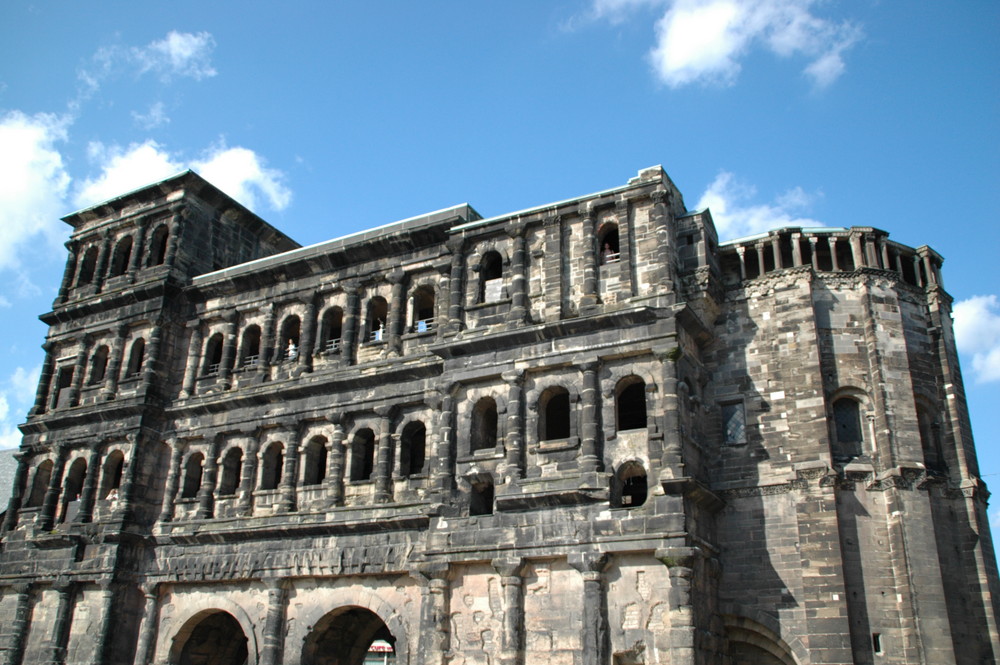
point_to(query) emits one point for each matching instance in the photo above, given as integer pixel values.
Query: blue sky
(327, 118)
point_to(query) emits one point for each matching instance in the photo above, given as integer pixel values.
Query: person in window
(608, 255)
(292, 352)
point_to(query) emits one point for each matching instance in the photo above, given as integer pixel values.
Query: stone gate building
(582, 433)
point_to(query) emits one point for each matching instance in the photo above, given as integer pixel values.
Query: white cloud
(123, 170)
(735, 217)
(178, 54)
(33, 184)
(241, 173)
(19, 390)
(155, 117)
(977, 333)
(704, 41)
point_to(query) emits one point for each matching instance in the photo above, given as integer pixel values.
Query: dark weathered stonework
(582, 433)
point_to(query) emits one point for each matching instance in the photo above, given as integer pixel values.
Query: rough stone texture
(583, 433)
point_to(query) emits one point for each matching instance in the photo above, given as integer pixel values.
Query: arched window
(72, 488)
(847, 436)
(630, 404)
(481, 498)
(192, 476)
(232, 464)
(554, 414)
(930, 442)
(632, 486)
(39, 484)
(111, 473)
(213, 354)
(136, 358)
(378, 312)
(609, 249)
(87, 266)
(98, 365)
(314, 468)
(412, 449)
(290, 338)
(363, 455)
(491, 277)
(484, 425)
(332, 330)
(250, 347)
(271, 466)
(423, 309)
(158, 246)
(64, 382)
(120, 257)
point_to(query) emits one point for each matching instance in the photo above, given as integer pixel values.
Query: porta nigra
(584, 433)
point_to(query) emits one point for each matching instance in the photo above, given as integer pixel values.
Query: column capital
(516, 229)
(674, 557)
(659, 196)
(455, 244)
(511, 566)
(588, 562)
(513, 377)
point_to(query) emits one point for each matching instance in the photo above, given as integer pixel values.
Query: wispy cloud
(33, 184)
(735, 215)
(705, 41)
(977, 333)
(155, 117)
(238, 171)
(178, 54)
(16, 395)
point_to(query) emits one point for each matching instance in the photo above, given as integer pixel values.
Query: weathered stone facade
(582, 433)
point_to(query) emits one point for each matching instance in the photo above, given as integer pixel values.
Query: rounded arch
(847, 435)
(121, 257)
(490, 276)
(98, 365)
(39, 484)
(362, 453)
(136, 358)
(192, 475)
(765, 643)
(555, 414)
(111, 473)
(232, 465)
(608, 243)
(87, 266)
(630, 403)
(72, 488)
(250, 346)
(484, 424)
(412, 448)
(272, 465)
(631, 486)
(291, 327)
(196, 615)
(422, 308)
(331, 329)
(213, 354)
(314, 460)
(311, 618)
(377, 319)
(158, 245)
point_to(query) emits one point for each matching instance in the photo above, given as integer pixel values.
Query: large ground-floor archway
(212, 638)
(344, 636)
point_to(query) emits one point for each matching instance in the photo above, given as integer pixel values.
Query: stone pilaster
(138, 242)
(247, 477)
(350, 331)
(89, 491)
(455, 282)
(267, 338)
(193, 356)
(396, 306)
(308, 337)
(383, 463)
(17, 493)
(44, 380)
(660, 219)
(173, 240)
(518, 313)
(146, 645)
(287, 499)
(680, 561)
(590, 459)
(114, 364)
(228, 352)
(69, 272)
(434, 611)
(589, 298)
(101, 269)
(104, 639)
(55, 647)
(594, 632)
(209, 476)
(444, 456)
(173, 481)
(335, 479)
(512, 639)
(19, 623)
(48, 513)
(79, 367)
(152, 357)
(514, 467)
(274, 623)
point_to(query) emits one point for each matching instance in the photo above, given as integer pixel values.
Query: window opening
(72, 489)
(40, 484)
(121, 256)
(315, 462)
(423, 310)
(111, 475)
(491, 277)
(250, 347)
(555, 411)
(63, 386)
(213, 354)
(136, 358)
(412, 452)
(734, 423)
(930, 443)
(158, 246)
(484, 425)
(290, 338)
(847, 429)
(630, 405)
(270, 472)
(481, 499)
(87, 268)
(363, 455)
(192, 476)
(378, 313)
(333, 322)
(232, 464)
(98, 365)
(633, 485)
(610, 247)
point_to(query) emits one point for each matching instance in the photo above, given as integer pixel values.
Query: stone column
(589, 298)
(680, 561)
(335, 479)
(512, 639)
(19, 623)
(114, 364)
(518, 312)
(444, 456)
(812, 252)
(137, 246)
(396, 306)
(308, 337)
(136, 444)
(832, 243)
(796, 249)
(287, 499)
(103, 647)
(929, 268)
(856, 252)
(434, 612)
(176, 228)
(17, 493)
(48, 513)
(776, 250)
(209, 475)
(383, 464)
(660, 217)
(44, 380)
(70, 271)
(79, 367)
(589, 455)
(760, 259)
(152, 356)
(101, 269)
(248, 477)
(884, 253)
(515, 424)
(89, 491)
(173, 481)
(672, 460)
(193, 357)
(267, 336)
(594, 635)
(741, 251)
(350, 330)
(55, 648)
(228, 352)
(146, 645)
(274, 624)
(455, 245)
